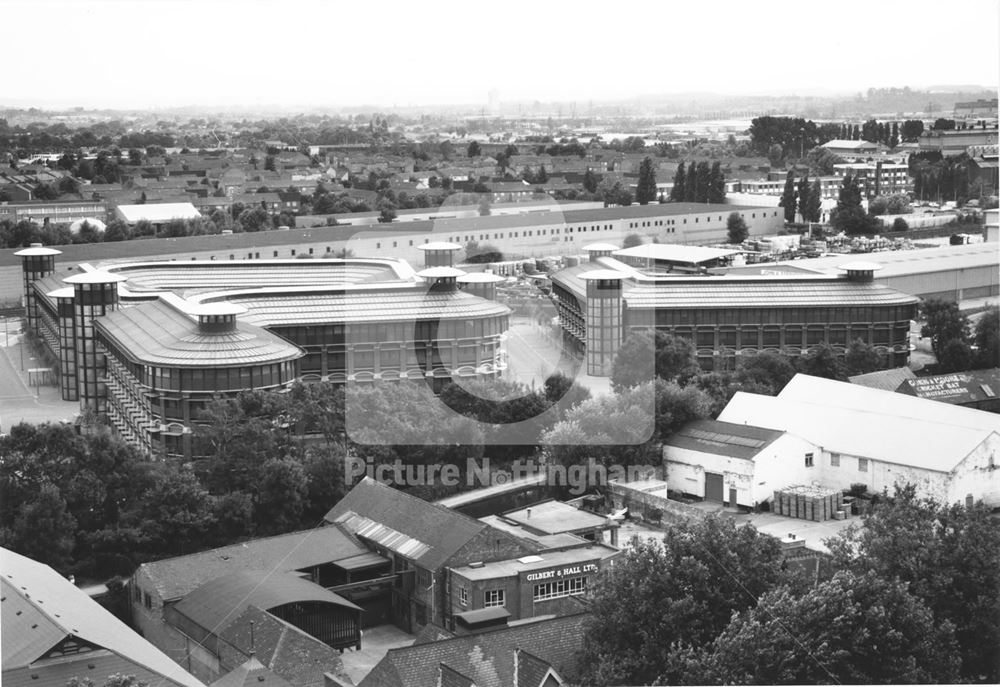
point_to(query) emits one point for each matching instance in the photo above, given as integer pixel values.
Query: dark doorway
(713, 487)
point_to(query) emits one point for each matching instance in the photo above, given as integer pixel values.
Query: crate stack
(808, 503)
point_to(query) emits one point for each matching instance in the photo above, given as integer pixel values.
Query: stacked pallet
(808, 503)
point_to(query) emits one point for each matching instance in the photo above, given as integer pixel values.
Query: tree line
(699, 183)
(911, 597)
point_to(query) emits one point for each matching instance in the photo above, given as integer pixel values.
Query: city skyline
(308, 54)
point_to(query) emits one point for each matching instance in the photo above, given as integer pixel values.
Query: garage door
(713, 487)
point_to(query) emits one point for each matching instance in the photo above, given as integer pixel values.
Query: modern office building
(669, 289)
(877, 178)
(145, 346)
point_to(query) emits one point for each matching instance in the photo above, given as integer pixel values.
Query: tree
(775, 154)
(43, 529)
(899, 224)
(176, 516)
(849, 216)
(821, 161)
(717, 184)
(691, 184)
(736, 228)
(894, 136)
(634, 362)
(851, 629)
(813, 207)
(632, 240)
(788, 197)
(474, 149)
(484, 205)
(949, 555)
(542, 177)
(822, 361)
(646, 189)
(910, 130)
(987, 338)
(685, 589)
(281, 496)
(387, 213)
(943, 322)
(677, 192)
(269, 163)
(590, 181)
(704, 174)
(769, 368)
(862, 358)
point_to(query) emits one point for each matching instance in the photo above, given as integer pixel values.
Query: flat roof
(94, 277)
(669, 252)
(540, 561)
(158, 212)
(554, 517)
(36, 250)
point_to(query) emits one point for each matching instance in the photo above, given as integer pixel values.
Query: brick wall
(643, 504)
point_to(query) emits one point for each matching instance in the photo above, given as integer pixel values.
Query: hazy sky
(139, 53)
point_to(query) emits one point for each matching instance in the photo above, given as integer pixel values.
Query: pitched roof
(962, 387)
(806, 388)
(723, 438)
(868, 423)
(174, 578)
(887, 380)
(488, 658)
(214, 604)
(251, 673)
(425, 532)
(284, 649)
(40, 608)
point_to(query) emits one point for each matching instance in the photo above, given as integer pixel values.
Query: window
(835, 460)
(809, 460)
(146, 600)
(862, 465)
(559, 588)
(494, 597)
(463, 596)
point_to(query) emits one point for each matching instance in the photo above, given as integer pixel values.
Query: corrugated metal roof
(175, 577)
(778, 292)
(723, 438)
(158, 333)
(217, 603)
(272, 309)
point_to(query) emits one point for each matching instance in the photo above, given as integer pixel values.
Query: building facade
(147, 360)
(728, 316)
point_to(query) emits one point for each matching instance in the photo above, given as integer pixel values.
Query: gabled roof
(40, 608)
(828, 392)
(723, 438)
(251, 673)
(284, 649)
(426, 533)
(488, 659)
(961, 387)
(174, 578)
(887, 380)
(869, 423)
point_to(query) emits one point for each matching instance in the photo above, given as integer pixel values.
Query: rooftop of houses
(424, 532)
(887, 380)
(555, 517)
(723, 438)
(174, 578)
(516, 655)
(46, 619)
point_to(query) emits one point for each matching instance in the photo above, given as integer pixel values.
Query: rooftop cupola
(217, 318)
(442, 279)
(599, 250)
(861, 271)
(439, 253)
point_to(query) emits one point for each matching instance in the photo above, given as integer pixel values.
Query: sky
(337, 53)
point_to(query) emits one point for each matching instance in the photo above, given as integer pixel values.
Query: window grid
(558, 589)
(494, 597)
